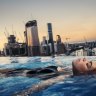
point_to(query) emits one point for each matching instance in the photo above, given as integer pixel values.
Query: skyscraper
(58, 39)
(32, 38)
(60, 45)
(50, 36)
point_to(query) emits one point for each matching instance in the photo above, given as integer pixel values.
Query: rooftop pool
(70, 86)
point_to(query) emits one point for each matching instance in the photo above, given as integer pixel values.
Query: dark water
(75, 86)
(11, 85)
(71, 86)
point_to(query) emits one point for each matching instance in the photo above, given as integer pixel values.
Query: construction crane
(21, 36)
(67, 39)
(86, 44)
(7, 33)
(12, 30)
(85, 39)
(17, 39)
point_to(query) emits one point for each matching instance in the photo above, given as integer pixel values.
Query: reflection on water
(11, 85)
(75, 86)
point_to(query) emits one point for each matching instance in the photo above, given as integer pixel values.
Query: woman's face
(83, 65)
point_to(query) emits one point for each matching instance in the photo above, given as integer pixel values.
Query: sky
(73, 19)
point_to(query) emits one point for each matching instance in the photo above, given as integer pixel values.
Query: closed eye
(89, 65)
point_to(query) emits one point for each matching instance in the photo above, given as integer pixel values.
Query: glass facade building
(32, 38)
(50, 36)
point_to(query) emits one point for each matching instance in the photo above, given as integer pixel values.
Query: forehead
(81, 60)
(79, 63)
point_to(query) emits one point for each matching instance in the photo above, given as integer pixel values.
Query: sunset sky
(74, 19)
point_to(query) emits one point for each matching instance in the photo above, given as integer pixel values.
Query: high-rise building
(44, 41)
(58, 39)
(50, 36)
(60, 45)
(45, 48)
(32, 38)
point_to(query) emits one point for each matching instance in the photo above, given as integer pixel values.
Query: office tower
(60, 45)
(58, 39)
(45, 49)
(32, 38)
(50, 36)
(44, 41)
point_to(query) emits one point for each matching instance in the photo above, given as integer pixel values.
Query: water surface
(72, 86)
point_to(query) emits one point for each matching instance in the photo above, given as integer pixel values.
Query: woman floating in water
(52, 74)
(80, 66)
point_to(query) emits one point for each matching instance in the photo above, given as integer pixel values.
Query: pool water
(71, 86)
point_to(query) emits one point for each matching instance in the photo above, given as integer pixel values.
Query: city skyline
(74, 19)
